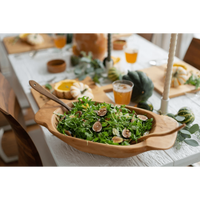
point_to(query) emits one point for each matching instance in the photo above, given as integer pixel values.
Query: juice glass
(131, 53)
(59, 41)
(122, 90)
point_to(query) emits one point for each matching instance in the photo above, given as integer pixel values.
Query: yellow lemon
(115, 59)
(25, 33)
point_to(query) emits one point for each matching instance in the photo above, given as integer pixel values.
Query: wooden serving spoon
(159, 134)
(36, 86)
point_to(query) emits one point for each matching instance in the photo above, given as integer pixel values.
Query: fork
(48, 81)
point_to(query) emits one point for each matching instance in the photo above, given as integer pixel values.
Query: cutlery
(48, 81)
(36, 86)
(160, 134)
(157, 62)
(32, 54)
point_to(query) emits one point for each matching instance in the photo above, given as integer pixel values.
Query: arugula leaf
(117, 118)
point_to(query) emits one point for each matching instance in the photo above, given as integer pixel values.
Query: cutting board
(98, 92)
(157, 75)
(21, 46)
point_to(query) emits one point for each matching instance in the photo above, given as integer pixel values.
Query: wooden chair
(147, 36)
(3, 125)
(10, 108)
(192, 55)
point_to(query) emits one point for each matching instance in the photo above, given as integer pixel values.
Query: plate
(46, 118)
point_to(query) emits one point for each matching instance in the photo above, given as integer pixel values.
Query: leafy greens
(116, 119)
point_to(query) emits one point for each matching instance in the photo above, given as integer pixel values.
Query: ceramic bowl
(119, 44)
(45, 117)
(56, 66)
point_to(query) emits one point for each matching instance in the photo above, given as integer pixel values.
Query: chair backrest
(10, 108)
(192, 55)
(147, 36)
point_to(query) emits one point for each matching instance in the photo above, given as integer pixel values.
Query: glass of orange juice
(131, 54)
(59, 41)
(122, 90)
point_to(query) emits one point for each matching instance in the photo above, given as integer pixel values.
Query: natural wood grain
(36, 86)
(9, 107)
(45, 117)
(56, 66)
(107, 88)
(192, 55)
(98, 93)
(147, 36)
(21, 46)
(157, 75)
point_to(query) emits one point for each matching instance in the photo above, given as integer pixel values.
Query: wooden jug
(94, 42)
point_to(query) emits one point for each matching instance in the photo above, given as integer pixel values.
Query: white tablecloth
(27, 68)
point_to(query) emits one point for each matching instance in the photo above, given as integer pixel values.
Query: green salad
(103, 123)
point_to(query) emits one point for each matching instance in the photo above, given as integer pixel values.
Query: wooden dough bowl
(45, 117)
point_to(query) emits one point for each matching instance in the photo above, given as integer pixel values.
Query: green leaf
(185, 135)
(191, 142)
(85, 59)
(82, 77)
(90, 54)
(179, 118)
(185, 132)
(194, 80)
(180, 138)
(194, 128)
(77, 71)
(48, 86)
(89, 70)
(99, 63)
(96, 79)
(89, 135)
(99, 71)
(83, 53)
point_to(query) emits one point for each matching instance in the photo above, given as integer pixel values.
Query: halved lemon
(115, 59)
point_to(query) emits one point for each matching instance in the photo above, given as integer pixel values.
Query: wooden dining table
(27, 68)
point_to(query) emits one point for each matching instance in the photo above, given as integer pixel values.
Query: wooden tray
(157, 75)
(20, 46)
(98, 92)
(45, 117)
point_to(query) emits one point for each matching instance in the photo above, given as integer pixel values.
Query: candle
(165, 97)
(108, 60)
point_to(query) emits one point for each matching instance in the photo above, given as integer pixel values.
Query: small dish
(56, 66)
(119, 44)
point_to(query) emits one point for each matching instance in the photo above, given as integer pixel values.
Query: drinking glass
(59, 41)
(122, 90)
(131, 53)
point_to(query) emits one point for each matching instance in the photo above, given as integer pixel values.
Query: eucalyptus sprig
(184, 135)
(87, 66)
(194, 79)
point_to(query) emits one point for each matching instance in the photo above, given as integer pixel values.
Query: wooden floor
(10, 147)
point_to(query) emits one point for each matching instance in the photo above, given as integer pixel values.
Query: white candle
(165, 98)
